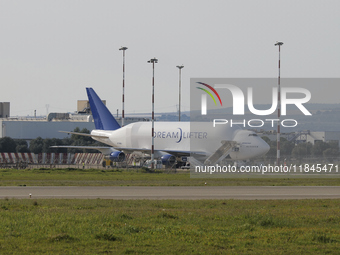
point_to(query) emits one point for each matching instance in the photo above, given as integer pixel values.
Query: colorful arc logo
(209, 93)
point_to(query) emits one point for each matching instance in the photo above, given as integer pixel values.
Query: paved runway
(173, 192)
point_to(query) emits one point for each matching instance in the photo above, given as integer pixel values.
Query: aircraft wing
(177, 153)
(104, 150)
(108, 150)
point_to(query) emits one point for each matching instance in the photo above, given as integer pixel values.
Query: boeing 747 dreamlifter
(171, 139)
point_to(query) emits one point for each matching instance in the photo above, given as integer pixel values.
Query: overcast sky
(50, 51)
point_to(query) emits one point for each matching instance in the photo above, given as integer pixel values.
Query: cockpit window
(252, 135)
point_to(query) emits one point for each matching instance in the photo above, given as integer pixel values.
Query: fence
(51, 158)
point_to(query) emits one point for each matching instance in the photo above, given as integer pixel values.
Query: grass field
(169, 227)
(95, 177)
(56, 226)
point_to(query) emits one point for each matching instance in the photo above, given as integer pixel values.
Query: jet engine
(116, 156)
(168, 159)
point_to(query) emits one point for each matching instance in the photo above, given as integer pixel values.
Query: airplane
(171, 139)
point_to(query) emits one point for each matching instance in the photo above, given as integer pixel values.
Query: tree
(334, 145)
(302, 150)
(48, 142)
(36, 145)
(286, 147)
(331, 153)
(319, 147)
(21, 146)
(7, 144)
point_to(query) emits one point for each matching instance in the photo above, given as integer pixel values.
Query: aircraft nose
(264, 147)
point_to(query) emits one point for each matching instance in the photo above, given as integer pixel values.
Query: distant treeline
(302, 150)
(40, 145)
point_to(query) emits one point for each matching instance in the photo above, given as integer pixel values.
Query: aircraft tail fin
(103, 119)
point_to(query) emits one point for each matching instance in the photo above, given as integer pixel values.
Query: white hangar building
(29, 128)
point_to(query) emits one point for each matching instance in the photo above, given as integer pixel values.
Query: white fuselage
(184, 137)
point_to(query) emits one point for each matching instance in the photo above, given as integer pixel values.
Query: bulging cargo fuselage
(194, 137)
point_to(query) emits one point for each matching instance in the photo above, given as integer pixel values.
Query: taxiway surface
(172, 192)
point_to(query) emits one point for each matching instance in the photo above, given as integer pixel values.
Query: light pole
(179, 92)
(153, 61)
(123, 49)
(278, 109)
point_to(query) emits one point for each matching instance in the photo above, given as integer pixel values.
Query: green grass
(169, 227)
(114, 177)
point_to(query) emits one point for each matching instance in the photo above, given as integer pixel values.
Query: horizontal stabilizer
(83, 134)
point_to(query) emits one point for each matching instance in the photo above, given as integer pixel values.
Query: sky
(50, 51)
